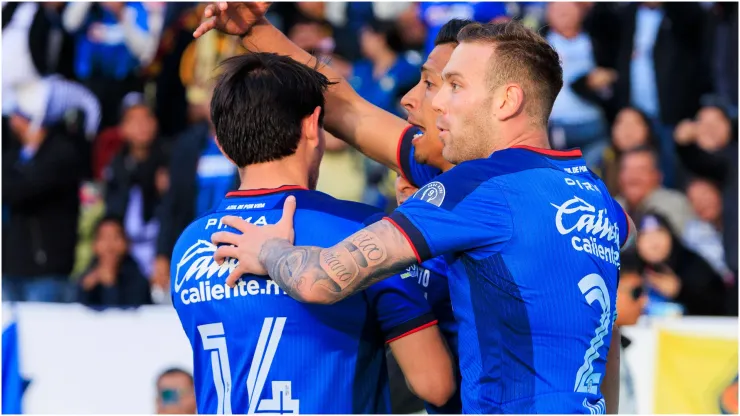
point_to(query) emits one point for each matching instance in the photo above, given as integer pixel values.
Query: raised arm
(369, 129)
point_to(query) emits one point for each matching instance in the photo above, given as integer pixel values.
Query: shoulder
(462, 181)
(328, 205)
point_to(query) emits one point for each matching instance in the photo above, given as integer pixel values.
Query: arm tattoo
(313, 274)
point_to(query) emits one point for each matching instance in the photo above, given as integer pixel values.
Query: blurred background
(108, 155)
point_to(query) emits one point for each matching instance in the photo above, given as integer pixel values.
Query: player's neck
(531, 137)
(273, 175)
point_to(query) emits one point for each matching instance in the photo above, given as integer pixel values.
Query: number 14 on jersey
(214, 339)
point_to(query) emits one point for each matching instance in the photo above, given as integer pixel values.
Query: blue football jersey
(256, 350)
(533, 241)
(415, 173)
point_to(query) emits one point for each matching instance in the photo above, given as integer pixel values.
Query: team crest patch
(433, 192)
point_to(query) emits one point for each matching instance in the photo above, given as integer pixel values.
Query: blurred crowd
(108, 152)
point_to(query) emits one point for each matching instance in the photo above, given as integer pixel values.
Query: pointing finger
(288, 211)
(233, 277)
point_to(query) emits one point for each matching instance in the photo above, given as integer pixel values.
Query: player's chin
(449, 154)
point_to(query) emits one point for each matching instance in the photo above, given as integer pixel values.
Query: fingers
(233, 277)
(288, 211)
(209, 11)
(224, 252)
(204, 28)
(237, 223)
(225, 237)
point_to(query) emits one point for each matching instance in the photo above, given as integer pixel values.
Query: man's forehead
(438, 58)
(469, 58)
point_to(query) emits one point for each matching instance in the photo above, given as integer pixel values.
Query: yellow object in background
(695, 374)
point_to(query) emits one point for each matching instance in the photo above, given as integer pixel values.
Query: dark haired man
(267, 110)
(534, 266)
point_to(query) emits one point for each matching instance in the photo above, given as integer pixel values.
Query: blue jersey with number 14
(256, 350)
(532, 239)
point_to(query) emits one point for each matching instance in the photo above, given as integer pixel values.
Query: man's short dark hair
(258, 104)
(110, 218)
(448, 32)
(173, 371)
(523, 56)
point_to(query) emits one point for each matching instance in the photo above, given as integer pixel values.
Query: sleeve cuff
(409, 327)
(412, 234)
(403, 153)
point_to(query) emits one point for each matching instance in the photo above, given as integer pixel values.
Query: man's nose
(410, 100)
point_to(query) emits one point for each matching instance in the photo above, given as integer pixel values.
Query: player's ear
(508, 101)
(311, 127)
(222, 150)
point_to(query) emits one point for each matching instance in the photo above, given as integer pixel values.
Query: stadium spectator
(66, 96)
(703, 234)
(200, 175)
(675, 273)
(640, 190)
(576, 120)
(382, 78)
(114, 277)
(113, 40)
(708, 148)
(34, 45)
(312, 35)
(631, 302)
(721, 47)
(170, 102)
(175, 393)
(660, 68)
(386, 73)
(40, 189)
(631, 130)
(136, 180)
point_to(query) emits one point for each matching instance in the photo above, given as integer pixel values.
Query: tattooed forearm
(316, 275)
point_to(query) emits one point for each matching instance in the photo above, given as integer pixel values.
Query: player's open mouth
(418, 136)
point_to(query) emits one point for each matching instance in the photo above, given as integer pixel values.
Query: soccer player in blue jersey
(255, 349)
(532, 235)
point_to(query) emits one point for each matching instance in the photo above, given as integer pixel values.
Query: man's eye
(428, 84)
(454, 86)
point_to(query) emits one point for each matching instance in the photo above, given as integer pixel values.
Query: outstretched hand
(246, 247)
(232, 18)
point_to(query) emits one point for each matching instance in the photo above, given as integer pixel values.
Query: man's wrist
(244, 36)
(269, 248)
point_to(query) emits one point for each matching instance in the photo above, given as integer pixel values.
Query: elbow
(434, 389)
